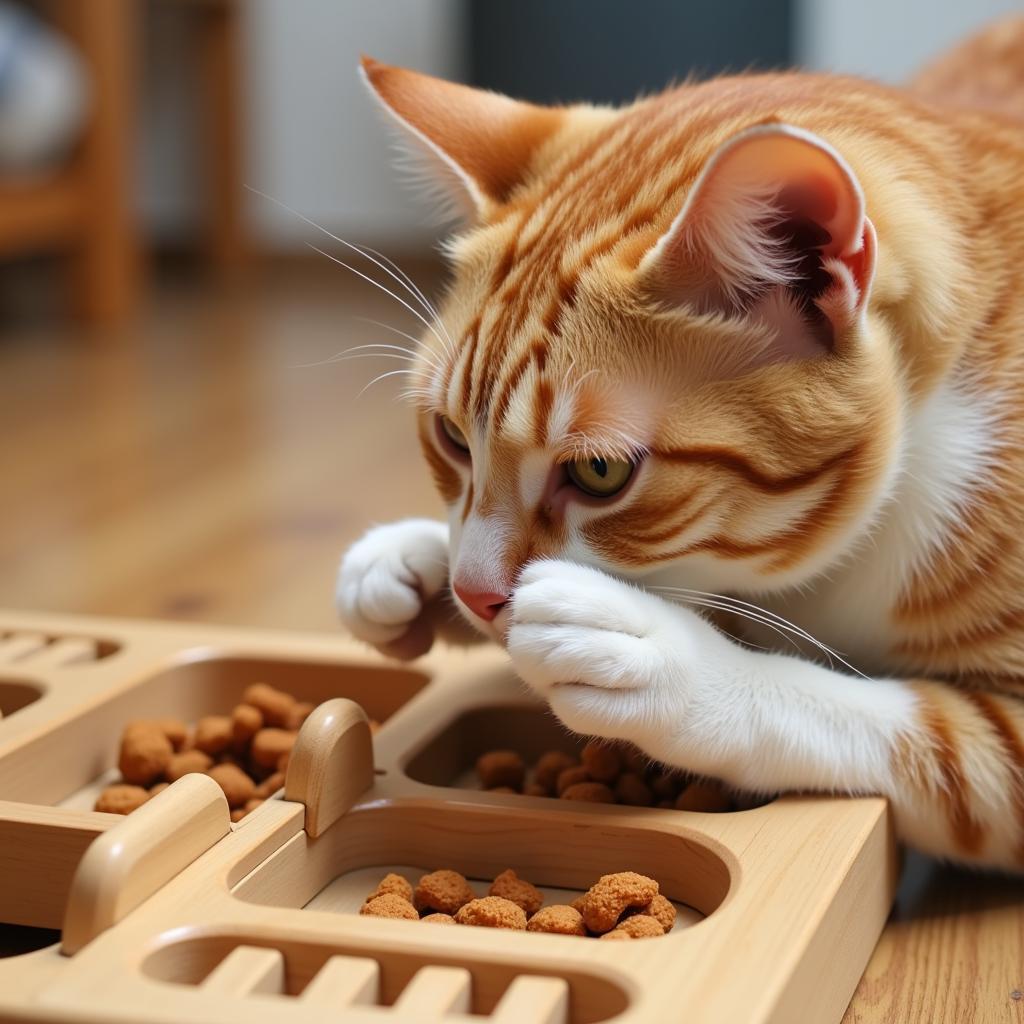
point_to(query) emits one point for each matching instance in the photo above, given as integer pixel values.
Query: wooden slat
(247, 970)
(435, 991)
(533, 1000)
(344, 981)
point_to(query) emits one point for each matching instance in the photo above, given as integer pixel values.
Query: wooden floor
(193, 468)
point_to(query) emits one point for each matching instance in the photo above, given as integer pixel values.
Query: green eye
(456, 436)
(600, 477)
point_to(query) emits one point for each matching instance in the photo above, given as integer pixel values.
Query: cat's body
(788, 312)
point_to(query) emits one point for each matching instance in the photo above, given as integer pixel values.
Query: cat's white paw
(613, 660)
(386, 578)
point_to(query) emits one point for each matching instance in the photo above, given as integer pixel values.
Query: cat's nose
(485, 604)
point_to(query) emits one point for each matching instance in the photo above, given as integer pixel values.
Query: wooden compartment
(174, 914)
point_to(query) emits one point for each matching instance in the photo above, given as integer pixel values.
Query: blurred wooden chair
(88, 207)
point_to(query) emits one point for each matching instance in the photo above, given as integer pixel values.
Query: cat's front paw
(594, 647)
(385, 580)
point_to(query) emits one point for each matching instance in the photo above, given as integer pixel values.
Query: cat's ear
(473, 146)
(774, 228)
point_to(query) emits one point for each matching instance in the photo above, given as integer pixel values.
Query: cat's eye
(452, 432)
(598, 477)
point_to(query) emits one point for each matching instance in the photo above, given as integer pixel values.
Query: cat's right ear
(472, 146)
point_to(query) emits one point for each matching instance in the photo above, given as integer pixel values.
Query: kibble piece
(269, 786)
(536, 789)
(631, 789)
(145, 754)
(604, 902)
(634, 759)
(492, 912)
(616, 935)
(213, 734)
(246, 721)
(121, 799)
(275, 705)
(501, 768)
(571, 777)
(390, 905)
(549, 766)
(301, 710)
(374, 727)
(703, 796)
(185, 762)
(444, 890)
(663, 910)
(558, 920)
(511, 887)
(602, 761)
(174, 729)
(237, 786)
(270, 745)
(665, 785)
(640, 926)
(502, 789)
(396, 884)
(590, 792)
(237, 814)
(666, 804)
(438, 919)
(282, 762)
(251, 805)
(158, 788)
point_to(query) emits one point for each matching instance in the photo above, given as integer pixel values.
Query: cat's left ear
(471, 146)
(774, 227)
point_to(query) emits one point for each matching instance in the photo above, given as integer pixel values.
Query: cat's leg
(615, 661)
(392, 589)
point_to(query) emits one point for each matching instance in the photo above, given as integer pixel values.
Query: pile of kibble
(620, 906)
(245, 753)
(605, 773)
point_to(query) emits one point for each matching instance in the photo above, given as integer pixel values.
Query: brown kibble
(640, 926)
(666, 804)
(604, 902)
(246, 721)
(665, 785)
(389, 905)
(174, 729)
(535, 789)
(602, 761)
(549, 766)
(251, 805)
(501, 768)
(301, 710)
(616, 935)
(631, 789)
(121, 799)
(282, 762)
(438, 919)
(237, 814)
(213, 734)
(269, 746)
(705, 797)
(187, 761)
(145, 754)
(158, 788)
(395, 884)
(634, 759)
(237, 786)
(590, 792)
(276, 706)
(492, 912)
(374, 727)
(446, 891)
(558, 920)
(502, 789)
(571, 777)
(510, 886)
(663, 910)
(269, 786)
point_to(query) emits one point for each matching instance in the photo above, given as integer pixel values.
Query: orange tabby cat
(753, 345)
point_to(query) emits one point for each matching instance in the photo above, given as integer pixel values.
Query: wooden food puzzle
(173, 914)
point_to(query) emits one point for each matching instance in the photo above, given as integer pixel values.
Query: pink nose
(485, 604)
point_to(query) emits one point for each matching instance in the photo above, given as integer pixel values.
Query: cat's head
(655, 351)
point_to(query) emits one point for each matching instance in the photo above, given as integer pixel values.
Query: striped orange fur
(794, 304)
